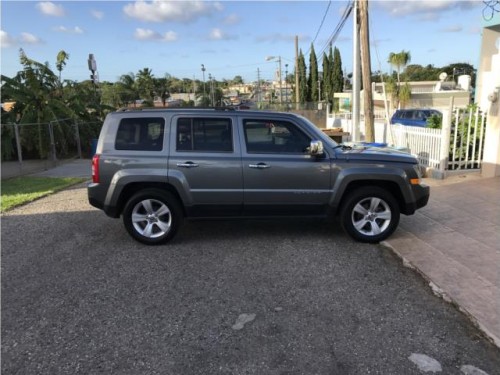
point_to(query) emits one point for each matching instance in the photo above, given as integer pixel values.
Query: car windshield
(431, 112)
(323, 137)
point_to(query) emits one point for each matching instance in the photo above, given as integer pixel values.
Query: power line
(321, 25)
(340, 25)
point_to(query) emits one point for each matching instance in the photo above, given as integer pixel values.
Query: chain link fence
(50, 142)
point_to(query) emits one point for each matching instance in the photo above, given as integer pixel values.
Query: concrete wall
(487, 86)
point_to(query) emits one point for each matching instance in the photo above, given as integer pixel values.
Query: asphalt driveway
(243, 297)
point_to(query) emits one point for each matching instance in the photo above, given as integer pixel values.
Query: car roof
(205, 111)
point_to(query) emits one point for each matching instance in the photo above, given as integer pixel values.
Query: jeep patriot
(157, 167)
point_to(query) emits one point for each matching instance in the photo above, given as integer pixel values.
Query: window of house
(271, 136)
(140, 134)
(204, 134)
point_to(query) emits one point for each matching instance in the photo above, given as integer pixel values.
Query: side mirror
(316, 148)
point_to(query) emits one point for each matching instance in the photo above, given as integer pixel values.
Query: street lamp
(269, 58)
(203, 71)
(286, 86)
(212, 98)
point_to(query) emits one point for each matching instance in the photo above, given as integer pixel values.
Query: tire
(152, 216)
(370, 214)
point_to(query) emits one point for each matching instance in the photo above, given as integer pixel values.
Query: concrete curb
(439, 292)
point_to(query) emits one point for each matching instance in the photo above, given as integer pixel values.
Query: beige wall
(488, 82)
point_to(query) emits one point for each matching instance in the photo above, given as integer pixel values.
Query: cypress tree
(302, 78)
(337, 76)
(313, 77)
(326, 88)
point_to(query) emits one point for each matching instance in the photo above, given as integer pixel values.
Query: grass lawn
(21, 190)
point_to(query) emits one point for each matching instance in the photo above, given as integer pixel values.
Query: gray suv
(156, 168)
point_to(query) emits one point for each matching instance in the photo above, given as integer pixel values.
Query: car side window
(140, 134)
(277, 137)
(204, 134)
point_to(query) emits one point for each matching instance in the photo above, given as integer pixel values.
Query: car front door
(280, 176)
(205, 163)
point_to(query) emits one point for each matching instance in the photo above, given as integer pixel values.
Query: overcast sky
(229, 37)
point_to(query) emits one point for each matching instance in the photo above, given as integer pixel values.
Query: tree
(337, 77)
(161, 88)
(399, 61)
(145, 84)
(237, 80)
(302, 78)
(312, 92)
(127, 89)
(326, 88)
(62, 56)
(36, 91)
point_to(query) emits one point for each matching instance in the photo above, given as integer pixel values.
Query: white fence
(458, 145)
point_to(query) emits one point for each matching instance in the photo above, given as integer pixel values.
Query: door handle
(188, 164)
(259, 166)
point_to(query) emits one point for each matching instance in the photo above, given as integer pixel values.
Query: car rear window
(204, 134)
(140, 134)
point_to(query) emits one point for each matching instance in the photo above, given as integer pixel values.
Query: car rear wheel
(152, 216)
(370, 214)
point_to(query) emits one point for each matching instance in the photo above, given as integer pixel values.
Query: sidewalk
(44, 168)
(454, 243)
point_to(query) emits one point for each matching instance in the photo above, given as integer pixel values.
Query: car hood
(373, 153)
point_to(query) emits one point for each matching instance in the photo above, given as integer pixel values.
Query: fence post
(18, 146)
(77, 137)
(52, 143)
(444, 153)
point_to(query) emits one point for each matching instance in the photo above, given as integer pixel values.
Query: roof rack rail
(219, 108)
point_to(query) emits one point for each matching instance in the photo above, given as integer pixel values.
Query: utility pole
(258, 86)
(366, 71)
(297, 93)
(355, 75)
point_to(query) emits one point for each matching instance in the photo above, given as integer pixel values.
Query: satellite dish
(443, 76)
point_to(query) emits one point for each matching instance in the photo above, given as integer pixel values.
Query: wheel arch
(133, 187)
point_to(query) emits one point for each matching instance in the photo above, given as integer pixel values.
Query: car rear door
(205, 163)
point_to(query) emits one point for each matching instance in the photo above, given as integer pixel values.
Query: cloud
(6, 40)
(452, 29)
(25, 38)
(151, 35)
(97, 14)
(179, 11)
(232, 19)
(426, 10)
(218, 34)
(278, 37)
(63, 29)
(28, 38)
(50, 9)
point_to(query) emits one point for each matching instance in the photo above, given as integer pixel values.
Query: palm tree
(399, 61)
(62, 56)
(127, 89)
(161, 88)
(145, 84)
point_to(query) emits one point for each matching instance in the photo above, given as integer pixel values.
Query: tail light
(95, 168)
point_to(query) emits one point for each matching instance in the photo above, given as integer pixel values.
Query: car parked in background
(414, 116)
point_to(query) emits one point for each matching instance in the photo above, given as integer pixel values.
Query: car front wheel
(370, 214)
(152, 216)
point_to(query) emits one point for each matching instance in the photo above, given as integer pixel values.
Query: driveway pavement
(453, 241)
(268, 297)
